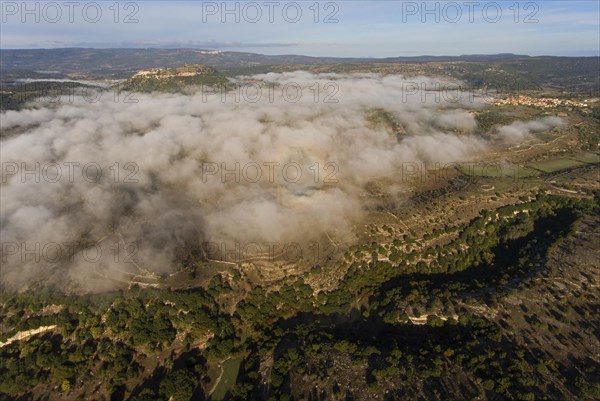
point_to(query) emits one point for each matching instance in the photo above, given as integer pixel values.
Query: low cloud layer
(521, 130)
(143, 184)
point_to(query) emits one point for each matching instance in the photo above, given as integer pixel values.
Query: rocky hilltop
(174, 79)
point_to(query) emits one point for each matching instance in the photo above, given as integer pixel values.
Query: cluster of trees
(103, 334)
(403, 359)
(111, 334)
(260, 308)
(59, 363)
(182, 383)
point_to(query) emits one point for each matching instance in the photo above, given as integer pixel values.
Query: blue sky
(381, 28)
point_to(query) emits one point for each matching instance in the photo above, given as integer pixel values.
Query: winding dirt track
(21, 335)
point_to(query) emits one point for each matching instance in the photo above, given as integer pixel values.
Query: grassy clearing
(228, 378)
(506, 171)
(578, 160)
(588, 157)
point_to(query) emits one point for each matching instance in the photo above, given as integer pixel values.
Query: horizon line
(302, 55)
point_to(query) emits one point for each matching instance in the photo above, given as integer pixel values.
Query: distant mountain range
(72, 60)
(500, 70)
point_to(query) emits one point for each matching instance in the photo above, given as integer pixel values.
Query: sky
(380, 28)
